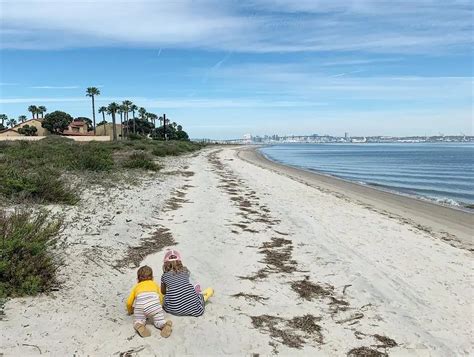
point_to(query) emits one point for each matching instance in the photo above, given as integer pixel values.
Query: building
(106, 130)
(32, 122)
(78, 127)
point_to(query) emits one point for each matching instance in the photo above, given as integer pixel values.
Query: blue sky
(226, 68)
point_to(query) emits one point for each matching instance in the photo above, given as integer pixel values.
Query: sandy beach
(301, 264)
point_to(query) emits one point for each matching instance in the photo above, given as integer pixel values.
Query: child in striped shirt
(147, 296)
(181, 297)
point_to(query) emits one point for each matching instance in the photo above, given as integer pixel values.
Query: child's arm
(130, 300)
(163, 288)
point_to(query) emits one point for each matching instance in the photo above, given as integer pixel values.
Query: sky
(225, 68)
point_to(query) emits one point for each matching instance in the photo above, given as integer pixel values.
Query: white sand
(404, 283)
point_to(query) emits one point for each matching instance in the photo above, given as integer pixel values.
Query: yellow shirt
(146, 286)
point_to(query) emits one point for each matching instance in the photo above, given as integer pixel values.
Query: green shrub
(40, 185)
(141, 160)
(27, 261)
(93, 157)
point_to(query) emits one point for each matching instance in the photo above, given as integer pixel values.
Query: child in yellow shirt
(147, 297)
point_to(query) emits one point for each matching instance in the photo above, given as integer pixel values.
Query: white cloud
(382, 26)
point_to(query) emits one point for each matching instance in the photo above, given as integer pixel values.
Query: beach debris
(35, 346)
(387, 342)
(158, 240)
(353, 317)
(365, 352)
(308, 290)
(250, 297)
(293, 332)
(131, 352)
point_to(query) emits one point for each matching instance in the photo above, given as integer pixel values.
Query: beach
(301, 264)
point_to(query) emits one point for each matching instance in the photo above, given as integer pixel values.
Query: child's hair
(175, 266)
(144, 273)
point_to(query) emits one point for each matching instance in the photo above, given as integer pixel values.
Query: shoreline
(447, 223)
(296, 270)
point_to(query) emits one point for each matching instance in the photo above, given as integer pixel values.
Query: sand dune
(297, 270)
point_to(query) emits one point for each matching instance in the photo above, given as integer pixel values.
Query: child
(181, 298)
(146, 295)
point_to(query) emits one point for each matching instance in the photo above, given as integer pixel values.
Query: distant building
(247, 138)
(78, 128)
(31, 122)
(107, 130)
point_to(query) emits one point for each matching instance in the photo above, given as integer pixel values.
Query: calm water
(441, 172)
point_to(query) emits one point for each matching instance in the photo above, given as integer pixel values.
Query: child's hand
(130, 312)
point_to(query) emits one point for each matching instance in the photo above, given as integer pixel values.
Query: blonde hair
(144, 273)
(175, 266)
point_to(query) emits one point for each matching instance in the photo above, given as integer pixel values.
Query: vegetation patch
(35, 171)
(141, 160)
(28, 263)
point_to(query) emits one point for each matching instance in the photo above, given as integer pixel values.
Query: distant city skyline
(225, 68)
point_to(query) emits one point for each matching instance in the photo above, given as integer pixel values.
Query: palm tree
(122, 110)
(103, 110)
(112, 110)
(41, 110)
(127, 104)
(142, 113)
(11, 122)
(133, 108)
(92, 92)
(22, 118)
(3, 118)
(33, 109)
(153, 118)
(174, 125)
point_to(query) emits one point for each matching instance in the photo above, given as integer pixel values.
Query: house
(106, 129)
(31, 122)
(78, 128)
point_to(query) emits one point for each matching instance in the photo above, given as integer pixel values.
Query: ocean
(440, 172)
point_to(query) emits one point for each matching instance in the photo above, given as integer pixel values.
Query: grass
(34, 171)
(141, 160)
(27, 261)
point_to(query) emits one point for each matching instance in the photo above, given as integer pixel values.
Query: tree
(11, 122)
(22, 118)
(103, 110)
(28, 130)
(134, 108)
(122, 110)
(171, 133)
(3, 119)
(112, 110)
(92, 92)
(56, 122)
(126, 104)
(90, 127)
(33, 109)
(41, 110)
(142, 126)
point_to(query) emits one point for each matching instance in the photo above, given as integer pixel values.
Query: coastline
(449, 224)
(297, 270)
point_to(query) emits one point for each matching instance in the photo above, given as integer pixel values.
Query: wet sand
(452, 225)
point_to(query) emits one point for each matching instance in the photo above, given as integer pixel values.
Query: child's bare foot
(166, 329)
(142, 330)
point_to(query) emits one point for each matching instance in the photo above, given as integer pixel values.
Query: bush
(93, 157)
(40, 185)
(141, 160)
(27, 261)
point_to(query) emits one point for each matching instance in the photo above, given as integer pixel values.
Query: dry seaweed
(365, 352)
(308, 290)
(160, 239)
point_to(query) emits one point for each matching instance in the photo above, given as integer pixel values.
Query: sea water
(441, 172)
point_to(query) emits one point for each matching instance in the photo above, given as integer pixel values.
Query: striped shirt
(181, 298)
